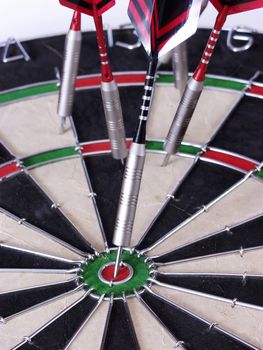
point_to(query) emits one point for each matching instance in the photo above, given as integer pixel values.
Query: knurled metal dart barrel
(70, 69)
(129, 195)
(111, 99)
(134, 169)
(183, 116)
(114, 119)
(192, 92)
(180, 66)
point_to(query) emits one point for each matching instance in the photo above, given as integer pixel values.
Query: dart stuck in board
(109, 88)
(195, 85)
(70, 69)
(160, 25)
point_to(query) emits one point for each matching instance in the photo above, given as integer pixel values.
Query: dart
(70, 70)
(111, 98)
(195, 85)
(109, 88)
(161, 25)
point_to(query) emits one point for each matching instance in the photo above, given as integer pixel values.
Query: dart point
(166, 160)
(117, 263)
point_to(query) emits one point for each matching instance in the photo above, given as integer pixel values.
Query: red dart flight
(87, 6)
(236, 6)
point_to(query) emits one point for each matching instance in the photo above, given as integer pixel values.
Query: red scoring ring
(107, 271)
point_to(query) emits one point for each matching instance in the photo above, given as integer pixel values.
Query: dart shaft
(114, 119)
(70, 70)
(200, 71)
(106, 73)
(183, 116)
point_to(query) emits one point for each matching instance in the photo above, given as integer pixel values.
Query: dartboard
(193, 277)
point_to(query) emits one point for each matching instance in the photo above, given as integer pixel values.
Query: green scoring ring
(90, 271)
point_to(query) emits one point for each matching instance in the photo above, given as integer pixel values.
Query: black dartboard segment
(260, 78)
(247, 289)
(243, 131)
(106, 178)
(205, 182)
(15, 302)
(59, 333)
(186, 327)
(12, 258)
(246, 235)
(21, 196)
(88, 113)
(119, 333)
(5, 155)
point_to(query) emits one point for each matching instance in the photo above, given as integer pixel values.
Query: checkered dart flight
(161, 25)
(195, 85)
(109, 88)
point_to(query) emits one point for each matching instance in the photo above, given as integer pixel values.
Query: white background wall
(26, 19)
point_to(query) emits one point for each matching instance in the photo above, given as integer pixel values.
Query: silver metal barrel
(180, 66)
(114, 119)
(183, 116)
(129, 195)
(70, 70)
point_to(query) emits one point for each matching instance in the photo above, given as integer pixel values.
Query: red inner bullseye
(123, 274)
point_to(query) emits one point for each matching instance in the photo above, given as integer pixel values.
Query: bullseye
(97, 274)
(106, 273)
